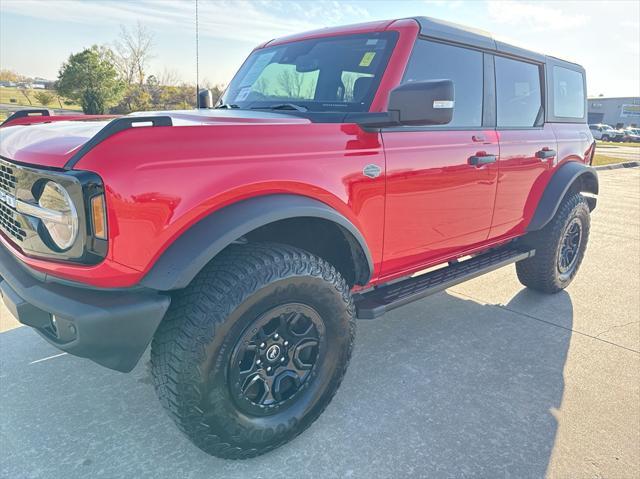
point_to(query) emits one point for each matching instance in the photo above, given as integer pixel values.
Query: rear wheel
(605, 138)
(252, 352)
(560, 248)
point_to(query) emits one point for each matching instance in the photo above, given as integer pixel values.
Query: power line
(197, 58)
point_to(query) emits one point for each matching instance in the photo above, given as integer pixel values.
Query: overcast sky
(36, 36)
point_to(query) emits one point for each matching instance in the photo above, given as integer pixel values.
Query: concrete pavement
(485, 380)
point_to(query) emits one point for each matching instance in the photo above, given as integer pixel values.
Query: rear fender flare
(198, 245)
(570, 175)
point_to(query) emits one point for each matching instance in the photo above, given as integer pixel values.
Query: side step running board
(375, 303)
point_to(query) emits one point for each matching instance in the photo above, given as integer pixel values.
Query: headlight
(58, 215)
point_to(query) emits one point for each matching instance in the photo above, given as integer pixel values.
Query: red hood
(53, 143)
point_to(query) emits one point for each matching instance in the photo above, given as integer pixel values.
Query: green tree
(44, 97)
(90, 78)
(135, 98)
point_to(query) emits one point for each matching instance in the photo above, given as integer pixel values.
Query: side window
(437, 61)
(518, 94)
(568, 93)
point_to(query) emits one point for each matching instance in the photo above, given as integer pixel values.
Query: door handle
(480, 160)
(545, 154)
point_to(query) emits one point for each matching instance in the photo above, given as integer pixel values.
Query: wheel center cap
(273, 352)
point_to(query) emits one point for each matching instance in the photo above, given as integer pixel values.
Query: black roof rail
(115, 126)
(27, 112)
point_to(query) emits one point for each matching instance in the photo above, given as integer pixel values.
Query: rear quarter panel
(574, 143)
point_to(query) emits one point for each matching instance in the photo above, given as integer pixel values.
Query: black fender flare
(198, 245)
(572, 173)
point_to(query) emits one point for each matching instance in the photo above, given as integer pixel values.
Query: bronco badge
(372, 171)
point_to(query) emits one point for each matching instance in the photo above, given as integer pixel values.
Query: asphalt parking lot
(485, 380)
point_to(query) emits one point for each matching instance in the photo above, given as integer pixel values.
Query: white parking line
(46, 359)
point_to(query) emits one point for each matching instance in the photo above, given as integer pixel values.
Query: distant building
(617, 112)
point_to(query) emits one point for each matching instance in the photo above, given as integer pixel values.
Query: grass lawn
(8, 94)
(614, 143)
(601, 159)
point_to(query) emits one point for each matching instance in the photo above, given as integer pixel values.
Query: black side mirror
(423, 103)
(415, 103)
(205, 99)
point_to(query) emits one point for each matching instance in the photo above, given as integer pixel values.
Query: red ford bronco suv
(339, 169)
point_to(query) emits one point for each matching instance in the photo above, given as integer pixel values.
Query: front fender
(186, 257)
(569, 175)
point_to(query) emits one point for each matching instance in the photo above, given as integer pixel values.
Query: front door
(441, 181)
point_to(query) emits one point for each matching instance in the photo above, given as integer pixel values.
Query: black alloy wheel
(272, 361)
(569, 247)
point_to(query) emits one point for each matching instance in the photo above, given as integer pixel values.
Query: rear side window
(437, 61)
(518, 94)
(568, 93)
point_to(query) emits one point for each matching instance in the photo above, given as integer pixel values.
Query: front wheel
(254, 349)
(605, 138)
(560, 248)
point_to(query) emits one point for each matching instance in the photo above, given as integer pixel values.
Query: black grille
(7, 178)
(9, 225)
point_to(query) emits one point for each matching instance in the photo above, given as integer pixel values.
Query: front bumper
(112, 328)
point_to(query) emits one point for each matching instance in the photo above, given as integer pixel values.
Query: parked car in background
(632, 135)
(605, 133)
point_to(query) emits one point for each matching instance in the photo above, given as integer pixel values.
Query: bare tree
(290, 84)
(133, 52)
(169, 77)
(24, 92)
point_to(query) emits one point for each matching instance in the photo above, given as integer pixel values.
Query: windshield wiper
(282, 106)
(227, 105)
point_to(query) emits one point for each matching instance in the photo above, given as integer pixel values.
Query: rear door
(438, 202)
(528, 147)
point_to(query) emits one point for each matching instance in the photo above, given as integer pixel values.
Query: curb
(615, 166)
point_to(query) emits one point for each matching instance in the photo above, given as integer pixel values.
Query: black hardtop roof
(453, 32)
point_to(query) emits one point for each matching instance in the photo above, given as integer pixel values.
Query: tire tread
(200, 309)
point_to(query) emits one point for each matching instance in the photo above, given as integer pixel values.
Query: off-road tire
(191, 351)
(542, 271)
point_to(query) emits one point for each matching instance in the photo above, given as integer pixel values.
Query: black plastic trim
(115, 126)
(184, 259)
(111, 328)
(26, 113)
(81, 186)
(558, 187)
(489, 92)
(378, 301)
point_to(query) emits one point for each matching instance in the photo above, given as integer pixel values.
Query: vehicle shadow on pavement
(444, 387)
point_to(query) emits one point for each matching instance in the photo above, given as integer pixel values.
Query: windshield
(325, 74)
